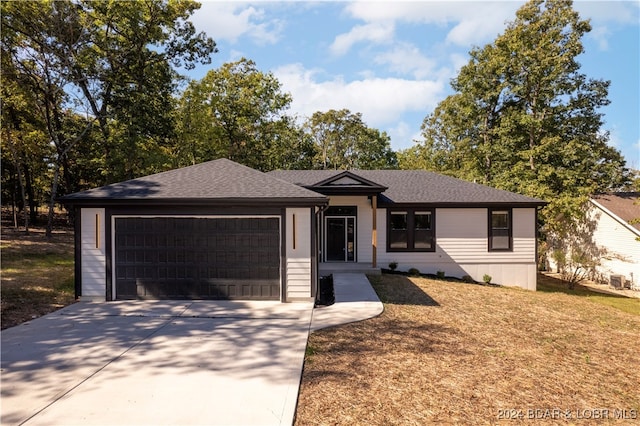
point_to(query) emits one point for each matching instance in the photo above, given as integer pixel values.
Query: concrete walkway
(168, 362)
(355, 301)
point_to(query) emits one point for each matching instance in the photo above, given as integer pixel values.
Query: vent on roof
(616, 281)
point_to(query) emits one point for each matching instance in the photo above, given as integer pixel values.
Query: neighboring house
(618, 235)
(221, 230)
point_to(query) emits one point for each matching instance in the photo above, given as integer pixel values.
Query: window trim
(490, 235)
(411, 212)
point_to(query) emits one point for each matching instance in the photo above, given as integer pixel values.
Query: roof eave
(236, 201)
(457, 204)
(617, 218)
(347, 190)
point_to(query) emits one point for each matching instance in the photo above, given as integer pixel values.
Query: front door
(340, 239)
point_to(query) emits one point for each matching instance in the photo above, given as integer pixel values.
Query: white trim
(616, 217)
(186, 216)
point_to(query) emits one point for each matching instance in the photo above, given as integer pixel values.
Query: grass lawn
(626, 304)
(447, 352)
(37, 274)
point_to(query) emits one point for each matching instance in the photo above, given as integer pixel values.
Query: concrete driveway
(155, 363)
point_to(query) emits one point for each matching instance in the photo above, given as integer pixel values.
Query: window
(422, 230)
(398, 238)
(500, 236)
(410, 230)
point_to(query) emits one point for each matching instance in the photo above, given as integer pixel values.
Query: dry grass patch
(445, 352)
(37, 274)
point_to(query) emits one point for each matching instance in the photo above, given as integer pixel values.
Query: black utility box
(327, 294)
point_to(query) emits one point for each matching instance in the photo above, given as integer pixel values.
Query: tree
(111, 62)
(343, 141)
(238, 112)
(24, 143)
(525, 119)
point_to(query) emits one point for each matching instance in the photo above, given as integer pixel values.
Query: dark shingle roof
(220, 179)
(622, 204)
(415, 186)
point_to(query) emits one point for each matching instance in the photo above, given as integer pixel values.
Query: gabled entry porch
(347, 228)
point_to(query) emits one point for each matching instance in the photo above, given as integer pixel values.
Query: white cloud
(405, 58)
(230, 21)
(382, 101)
(601, 35)
(474, 22)
(616, 12)
(379, 33)
(403, 135)
(481, 23)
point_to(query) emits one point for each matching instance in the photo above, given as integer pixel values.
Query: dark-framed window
(411, 229)
(500, 229)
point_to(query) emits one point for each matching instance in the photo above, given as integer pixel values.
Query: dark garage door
(197, 258)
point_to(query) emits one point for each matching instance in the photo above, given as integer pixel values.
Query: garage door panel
(197, 258)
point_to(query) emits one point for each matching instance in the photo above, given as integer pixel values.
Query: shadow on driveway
(165, 362)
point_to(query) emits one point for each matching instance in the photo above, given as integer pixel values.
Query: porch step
(348, 268)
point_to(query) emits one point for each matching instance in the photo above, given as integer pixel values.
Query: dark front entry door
(340, 239)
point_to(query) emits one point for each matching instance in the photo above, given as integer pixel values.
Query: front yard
(446, 352)
(37, 274)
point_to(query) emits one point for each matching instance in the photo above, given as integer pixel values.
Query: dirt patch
(452, 353)
(37, 273)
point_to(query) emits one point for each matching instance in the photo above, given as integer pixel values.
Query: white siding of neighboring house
(364, 224)
(622, 249)
(462, 248)
(298, 275)
(93, 260)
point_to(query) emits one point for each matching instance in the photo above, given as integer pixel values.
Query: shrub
(486, 278)
(414, 272)
(393, 265)
(468, 279)
(440, 274)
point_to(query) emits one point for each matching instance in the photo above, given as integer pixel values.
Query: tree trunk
(28, 180)
(532, 144)
(486, 140)
(14, 210)
(52, 201)
(16, 162)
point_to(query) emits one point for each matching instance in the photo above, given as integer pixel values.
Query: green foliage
(393, 265)
(343, 141)
(414, 272)
(486, 278)
(101, 80)
(239, 112)
(440, 274)
(525, 119)
(572, 247)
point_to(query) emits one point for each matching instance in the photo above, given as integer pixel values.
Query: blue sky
(392, 61)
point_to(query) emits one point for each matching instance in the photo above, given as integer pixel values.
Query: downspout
(374, 231)
(316, 248)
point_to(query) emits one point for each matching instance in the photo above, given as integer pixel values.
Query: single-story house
(617, 235)
(221, 230)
